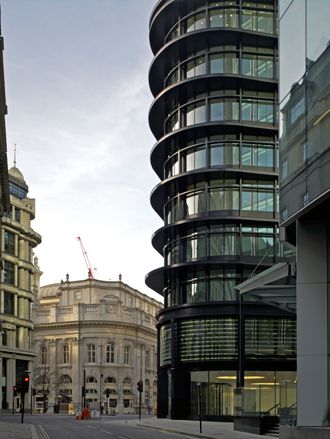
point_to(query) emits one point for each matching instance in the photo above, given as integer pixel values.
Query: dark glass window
(4, 337)
(8, 305)
(9, 273)
(17, 214)
(9, 243)
(17, 191)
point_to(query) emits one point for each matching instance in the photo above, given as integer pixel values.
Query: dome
(16, 173)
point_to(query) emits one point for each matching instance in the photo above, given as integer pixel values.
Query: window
(66, 354)
(9, 273)
(44, 355)
(17, 214)
(126, 355)
(127, 381)
(91, 353)
(147, 360)
(9, 243)
(110, 380)
(285, 169)
(91, 379)
(284, 214)
(65, 379)
(297, 110)
(17, 191)
(8, 304)
(4, 337)
(110, 353)
(306, 198)
(305, 151)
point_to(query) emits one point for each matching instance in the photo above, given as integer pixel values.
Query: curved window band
(220, 199)
(254, 20)
(217, 154)
(221, 109)
(220, 244)
(259, 66)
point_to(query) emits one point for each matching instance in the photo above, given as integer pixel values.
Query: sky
(76, 78)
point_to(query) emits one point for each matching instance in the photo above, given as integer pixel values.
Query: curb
(183, 433)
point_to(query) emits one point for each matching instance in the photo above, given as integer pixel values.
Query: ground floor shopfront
(216, 396)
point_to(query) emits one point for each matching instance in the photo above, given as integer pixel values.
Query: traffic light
(107, 392)
(25, 383)
(140, 386)
(15, 390)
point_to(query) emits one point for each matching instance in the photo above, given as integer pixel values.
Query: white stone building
(100, 334)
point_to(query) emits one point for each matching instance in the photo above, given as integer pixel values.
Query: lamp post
(101, 376)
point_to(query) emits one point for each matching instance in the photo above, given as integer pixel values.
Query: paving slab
(10, 430)
(210, 430)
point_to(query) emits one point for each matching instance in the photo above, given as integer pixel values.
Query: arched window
(44, 354)
(91, 353)
(91, 379)
(126, 355)
(66, 354)
(110, 380)
(110, 352)
(65, 379)
(127, 381)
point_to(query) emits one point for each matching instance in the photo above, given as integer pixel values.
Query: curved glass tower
(214, 117)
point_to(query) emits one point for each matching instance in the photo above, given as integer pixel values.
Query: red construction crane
(87, 261)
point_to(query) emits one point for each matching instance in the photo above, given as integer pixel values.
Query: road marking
(43, 432)
(94, 428)
(34, 432)
(108, 432)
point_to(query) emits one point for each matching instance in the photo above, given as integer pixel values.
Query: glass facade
(219, 109)
(214, 116)
(304, 93)
(265, 390)
(254, 16)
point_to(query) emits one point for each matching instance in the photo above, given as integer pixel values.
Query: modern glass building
(214, 117)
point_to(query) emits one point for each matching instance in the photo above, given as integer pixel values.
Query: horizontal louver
(270, 338)
(208, 339)
(165, 345)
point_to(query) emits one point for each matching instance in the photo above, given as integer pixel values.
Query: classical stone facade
(97, 334)
(18, 240)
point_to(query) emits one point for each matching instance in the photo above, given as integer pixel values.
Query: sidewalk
(10, 430)
(210, 430)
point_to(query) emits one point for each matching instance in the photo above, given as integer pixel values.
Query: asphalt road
(66, 427)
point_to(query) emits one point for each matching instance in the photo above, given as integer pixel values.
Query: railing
(288, 415)
(268, 412)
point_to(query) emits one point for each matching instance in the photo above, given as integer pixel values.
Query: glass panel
(246, 200)
(217, 155)
(216, 110)
(217, 64)
(265, 22)
(217, 18)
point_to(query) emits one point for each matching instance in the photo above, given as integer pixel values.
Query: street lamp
(101, 376)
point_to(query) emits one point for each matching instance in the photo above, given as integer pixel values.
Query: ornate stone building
(96, 334)
(18, 240)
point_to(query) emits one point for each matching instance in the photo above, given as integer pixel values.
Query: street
(67, 427)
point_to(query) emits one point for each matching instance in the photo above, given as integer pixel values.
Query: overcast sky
(78, 98)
